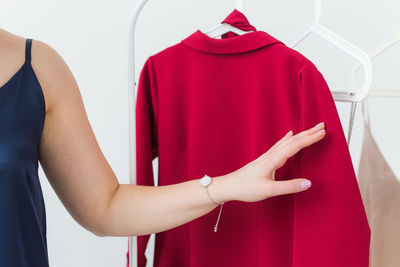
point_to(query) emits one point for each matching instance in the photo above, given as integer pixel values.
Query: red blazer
(210, 106)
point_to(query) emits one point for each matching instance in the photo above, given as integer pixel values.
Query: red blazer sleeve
(146, 139)
(330, 223)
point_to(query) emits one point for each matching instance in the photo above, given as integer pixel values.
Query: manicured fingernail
(289, 133)
(319, 124)
(321, 131)
(305, 184)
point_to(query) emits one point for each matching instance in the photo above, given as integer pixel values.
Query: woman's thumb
(289, 186)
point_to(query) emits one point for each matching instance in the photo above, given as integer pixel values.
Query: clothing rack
(314, 27)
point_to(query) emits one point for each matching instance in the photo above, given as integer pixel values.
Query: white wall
(92, 37)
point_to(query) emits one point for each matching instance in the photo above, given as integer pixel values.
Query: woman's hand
(256, 180)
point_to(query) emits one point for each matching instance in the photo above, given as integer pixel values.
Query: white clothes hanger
(381, 91)
(357, 53)
(239, 5)
(223, 28)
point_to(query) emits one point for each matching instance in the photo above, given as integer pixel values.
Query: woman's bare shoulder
(54, 75)
(12, 53)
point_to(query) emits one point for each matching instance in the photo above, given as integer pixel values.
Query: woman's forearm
(139, 210)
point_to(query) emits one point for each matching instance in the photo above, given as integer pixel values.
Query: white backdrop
(92, 37)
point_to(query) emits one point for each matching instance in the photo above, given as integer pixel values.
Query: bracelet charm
(205, 182)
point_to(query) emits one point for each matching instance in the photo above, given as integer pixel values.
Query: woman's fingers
(289, 136)
(283, 139)
(280, 142)
(255, 181)
(276, 188)
(295, 143)
(275, 146)
(307, 132)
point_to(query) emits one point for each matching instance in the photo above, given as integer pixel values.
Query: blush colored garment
(210, 106)
(380, 189)
(22, 210)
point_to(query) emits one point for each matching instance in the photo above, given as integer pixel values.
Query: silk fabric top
(22, 211)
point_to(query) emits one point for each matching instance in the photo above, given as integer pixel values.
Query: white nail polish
(305, 184)
(289, 133)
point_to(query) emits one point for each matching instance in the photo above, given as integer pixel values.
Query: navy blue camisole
(22, 212)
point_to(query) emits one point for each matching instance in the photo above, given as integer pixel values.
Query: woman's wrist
(221, 188)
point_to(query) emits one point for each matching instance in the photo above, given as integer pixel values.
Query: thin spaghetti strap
(28, 47)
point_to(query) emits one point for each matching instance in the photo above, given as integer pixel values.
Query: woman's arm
(88, 188)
